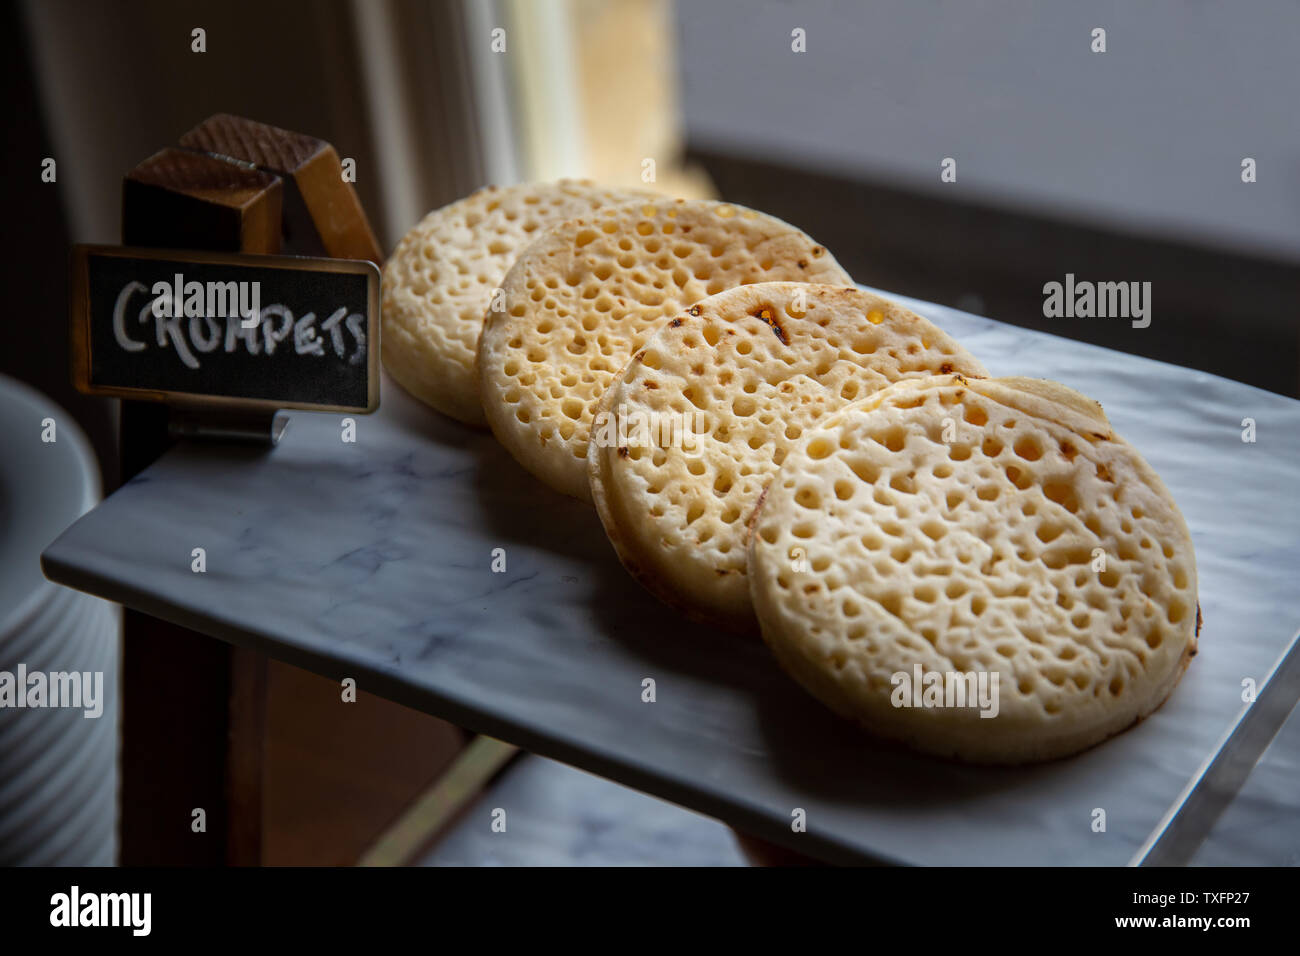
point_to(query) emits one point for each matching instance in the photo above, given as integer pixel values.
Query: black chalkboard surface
(226, 329)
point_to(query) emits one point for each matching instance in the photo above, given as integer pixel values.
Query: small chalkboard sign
(225, 331)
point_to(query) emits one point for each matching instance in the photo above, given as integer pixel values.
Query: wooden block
(178, 199)
(322, 214)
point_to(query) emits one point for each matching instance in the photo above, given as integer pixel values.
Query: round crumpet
(978, 568)
(440, 279)
(585, 296)
(691, 431)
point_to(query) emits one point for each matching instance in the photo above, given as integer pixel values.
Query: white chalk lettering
(193, 319)
(331, 325)
(305, 340)
(273, 335)
(119, 317)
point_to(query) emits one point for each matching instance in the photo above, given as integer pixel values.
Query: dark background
(35, 316)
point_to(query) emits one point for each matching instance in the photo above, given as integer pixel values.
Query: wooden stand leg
(245, 757)
(193, 708)
(175, 695)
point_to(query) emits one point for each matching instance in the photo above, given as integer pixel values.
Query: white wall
(1147, 137)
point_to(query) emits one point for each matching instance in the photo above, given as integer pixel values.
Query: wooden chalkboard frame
(81, 331)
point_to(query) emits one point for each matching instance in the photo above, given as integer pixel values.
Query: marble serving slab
(373, 560)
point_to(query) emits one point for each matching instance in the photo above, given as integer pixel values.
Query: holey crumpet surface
(583, 298)
(440, 279)
(979, 568)
(692, 430)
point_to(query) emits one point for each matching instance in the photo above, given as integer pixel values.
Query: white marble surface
(372, 560)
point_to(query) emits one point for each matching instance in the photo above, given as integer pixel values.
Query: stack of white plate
(58, 768)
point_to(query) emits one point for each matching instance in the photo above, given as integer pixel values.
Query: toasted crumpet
(996, 528)
(439, 282)
(584, 297)
(692, 430)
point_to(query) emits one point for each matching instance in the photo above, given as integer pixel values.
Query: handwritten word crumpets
(192, 321)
